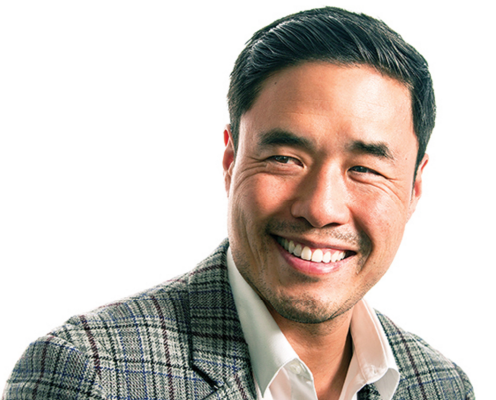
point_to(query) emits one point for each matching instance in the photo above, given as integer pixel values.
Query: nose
(322, 199)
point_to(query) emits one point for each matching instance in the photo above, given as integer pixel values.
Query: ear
(228, 159)
(417, 186)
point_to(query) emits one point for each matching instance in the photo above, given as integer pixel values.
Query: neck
(326, 349)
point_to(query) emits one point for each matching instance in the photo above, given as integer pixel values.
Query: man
(330, 113)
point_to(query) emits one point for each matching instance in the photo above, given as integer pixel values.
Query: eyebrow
(377, 149)
(279, 137)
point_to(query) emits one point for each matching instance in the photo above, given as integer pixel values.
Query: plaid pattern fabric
(183, 340)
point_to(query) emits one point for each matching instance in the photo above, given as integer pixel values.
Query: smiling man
(321, 187)
(331, 113)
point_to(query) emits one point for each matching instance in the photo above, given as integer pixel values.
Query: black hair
(339, 37)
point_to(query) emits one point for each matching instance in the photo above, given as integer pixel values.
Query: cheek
(249, 202)
(382, 216)
(382, 220)
(262, 195)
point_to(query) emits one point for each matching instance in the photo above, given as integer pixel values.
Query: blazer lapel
(219, 351)
(369, 392)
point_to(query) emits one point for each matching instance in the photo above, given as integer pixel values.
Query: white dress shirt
(278, 371)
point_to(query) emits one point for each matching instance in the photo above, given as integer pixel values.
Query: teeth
(305, 253)
(317, 256)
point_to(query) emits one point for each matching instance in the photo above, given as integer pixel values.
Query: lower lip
(309, 267)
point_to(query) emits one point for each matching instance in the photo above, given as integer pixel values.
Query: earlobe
(228, 159)
(417, 186)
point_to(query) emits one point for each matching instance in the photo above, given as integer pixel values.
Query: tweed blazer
(183, 340)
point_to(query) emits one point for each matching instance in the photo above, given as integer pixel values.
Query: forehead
(319, 98)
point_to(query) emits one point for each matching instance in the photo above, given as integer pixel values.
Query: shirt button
(296, 368)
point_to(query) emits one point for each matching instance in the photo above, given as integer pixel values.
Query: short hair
(340, 37)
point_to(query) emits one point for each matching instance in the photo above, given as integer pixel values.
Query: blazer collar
(218, 348)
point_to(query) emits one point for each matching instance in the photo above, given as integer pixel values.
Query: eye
(284, 160)
(363, 170)
(281, 159)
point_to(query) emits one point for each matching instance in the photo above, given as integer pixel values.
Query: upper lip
(332, 245)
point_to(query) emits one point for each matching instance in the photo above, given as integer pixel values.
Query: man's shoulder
(166, 305)
(182, 336)
(425, 372)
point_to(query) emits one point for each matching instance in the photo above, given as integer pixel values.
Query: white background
(111, 120)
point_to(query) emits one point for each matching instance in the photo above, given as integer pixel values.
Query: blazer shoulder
(139, 346)
(425, 372)
(95, 351)
(165, 306)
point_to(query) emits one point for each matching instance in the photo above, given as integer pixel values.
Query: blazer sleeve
(52, 368)
(469, 390)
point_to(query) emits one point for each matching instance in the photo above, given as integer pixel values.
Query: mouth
(316, 255)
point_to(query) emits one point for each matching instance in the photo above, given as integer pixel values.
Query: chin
(304, 308)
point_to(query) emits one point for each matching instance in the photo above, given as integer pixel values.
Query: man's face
(324, 170)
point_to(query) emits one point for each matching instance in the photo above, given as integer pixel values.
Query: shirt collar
(268, 347)
(372, 362)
